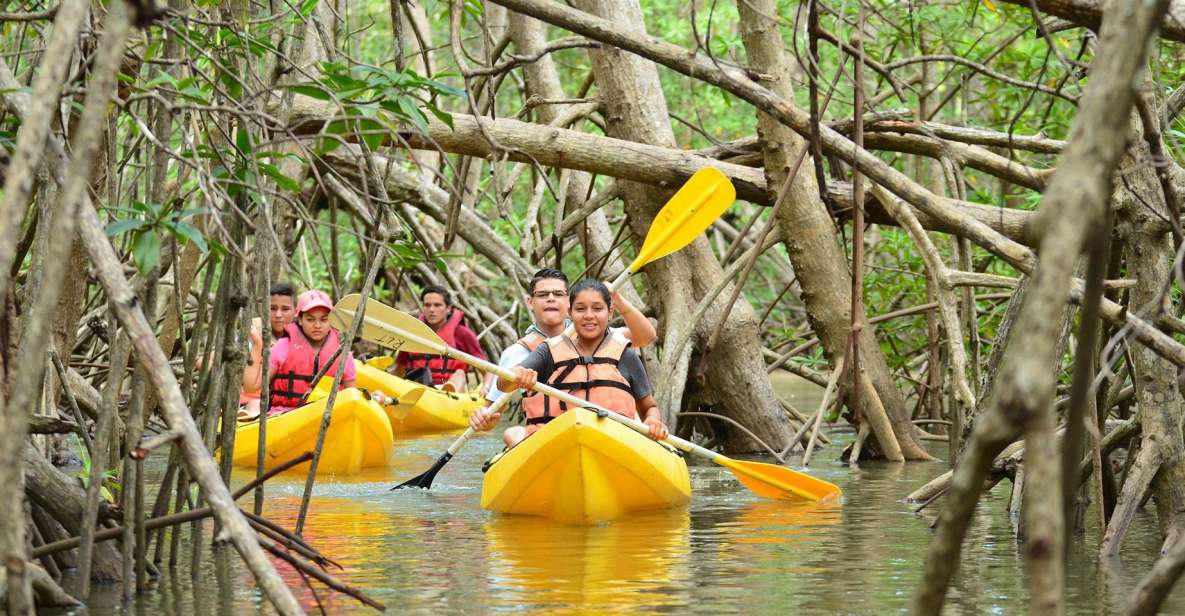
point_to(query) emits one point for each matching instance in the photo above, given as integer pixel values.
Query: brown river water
(437, 551)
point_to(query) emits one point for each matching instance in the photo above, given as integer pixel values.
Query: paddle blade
(773, 481)
(407, 402)
(387, 326)
(701, 200)
(424, 480)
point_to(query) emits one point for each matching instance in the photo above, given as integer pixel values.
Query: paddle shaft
(547, 390)
(504, 400)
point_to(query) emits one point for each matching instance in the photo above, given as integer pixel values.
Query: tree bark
(1073, 206)
(647, 163)
(739, 83)
(61, 497)
(155, 363)
(818, 260)
(1090, 13)
(635, 110)
(543, 83)
(1161, 458)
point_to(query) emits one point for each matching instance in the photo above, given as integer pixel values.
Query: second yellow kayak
(359, 436)
(436, 410)
(582, 469)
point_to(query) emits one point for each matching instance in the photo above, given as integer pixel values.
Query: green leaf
(123, 226)
(189, 233)
(312, 91)
(146, 252)
(282, 180)
(306, 7)
(243, 141)
(372, 132)
(414, 115)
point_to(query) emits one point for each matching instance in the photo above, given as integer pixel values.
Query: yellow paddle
(699, 202)
(696, 205)
(403, 332)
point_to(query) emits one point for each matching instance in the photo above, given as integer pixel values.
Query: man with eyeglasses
(547, 299)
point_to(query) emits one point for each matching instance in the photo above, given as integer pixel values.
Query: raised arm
(640, 330)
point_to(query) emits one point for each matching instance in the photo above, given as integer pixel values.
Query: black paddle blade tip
(424, 480)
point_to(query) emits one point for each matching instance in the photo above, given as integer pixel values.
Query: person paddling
(595, 363)
(448, 321)
(305, 346)
(547, 300)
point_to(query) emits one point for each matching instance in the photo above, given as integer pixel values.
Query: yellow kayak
(359, 436)
(436, 410)
(626, 567)
(581, 469)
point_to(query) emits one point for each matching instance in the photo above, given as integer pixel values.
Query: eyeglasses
(557, 293)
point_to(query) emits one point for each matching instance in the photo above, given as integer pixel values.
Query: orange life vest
(532, 400)
(441, 366)
(294, 377)
(594, 378)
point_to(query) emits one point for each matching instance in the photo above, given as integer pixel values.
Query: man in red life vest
(438, 312)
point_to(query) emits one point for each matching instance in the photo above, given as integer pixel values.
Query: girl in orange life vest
(547, 299)
(595, 364)
(307, 343)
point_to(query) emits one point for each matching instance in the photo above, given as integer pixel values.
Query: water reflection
(436, 551)
(636, 563)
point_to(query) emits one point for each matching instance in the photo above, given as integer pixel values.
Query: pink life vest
(294, 377)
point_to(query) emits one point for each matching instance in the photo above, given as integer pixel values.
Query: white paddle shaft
(547, 390)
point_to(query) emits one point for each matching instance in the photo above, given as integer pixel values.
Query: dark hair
(590, 284)
(439, 290)
(283, 288)
(544, 274)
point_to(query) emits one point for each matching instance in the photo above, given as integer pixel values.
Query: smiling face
(435, 311)
(315, 324)
(549, 304)
(590, 315)
(282, 311)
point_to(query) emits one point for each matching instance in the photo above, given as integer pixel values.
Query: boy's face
(283, 311)
(548, 303)
(434, 309)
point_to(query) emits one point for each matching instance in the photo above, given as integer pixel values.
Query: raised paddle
(404, 332)
(698, 203)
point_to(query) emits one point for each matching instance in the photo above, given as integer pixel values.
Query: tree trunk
(61, 497)
(1161, 457)
(817, 258)
(635, 109)
(1072, 207)
(543, 82)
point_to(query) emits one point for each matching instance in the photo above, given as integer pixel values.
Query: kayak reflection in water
(595, 364)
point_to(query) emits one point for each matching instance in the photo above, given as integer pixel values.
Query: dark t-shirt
(630, 366)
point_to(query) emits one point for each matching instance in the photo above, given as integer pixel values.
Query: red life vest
(441, 366)
(294, 377)
(594, 378)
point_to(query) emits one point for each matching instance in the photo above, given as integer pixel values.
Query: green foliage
(109, 483)
(369, 95)
(146, 223)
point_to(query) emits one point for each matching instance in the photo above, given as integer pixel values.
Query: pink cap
(311, 299)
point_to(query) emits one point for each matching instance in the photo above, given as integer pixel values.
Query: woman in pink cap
(304, 348)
